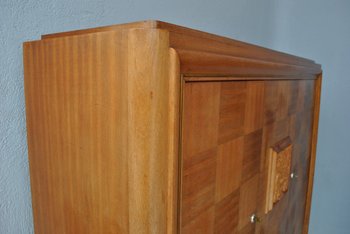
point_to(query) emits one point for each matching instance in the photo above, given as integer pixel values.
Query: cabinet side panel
(76, 122)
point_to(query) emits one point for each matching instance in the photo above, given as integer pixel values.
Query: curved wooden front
(227, 129)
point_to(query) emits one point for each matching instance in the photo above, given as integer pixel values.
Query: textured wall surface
(316, 28)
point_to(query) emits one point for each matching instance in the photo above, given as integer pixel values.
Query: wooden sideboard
(150, 127)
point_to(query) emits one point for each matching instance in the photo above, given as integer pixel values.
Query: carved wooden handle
(279, 166)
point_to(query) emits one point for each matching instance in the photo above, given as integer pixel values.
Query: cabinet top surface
(197, 47)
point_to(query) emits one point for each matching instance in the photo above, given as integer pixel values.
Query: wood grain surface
(225, 154)
(203, 53)
(150, 127)
(316, 113)
(102, 113)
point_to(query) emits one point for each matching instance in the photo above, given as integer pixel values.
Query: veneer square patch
(279, 167)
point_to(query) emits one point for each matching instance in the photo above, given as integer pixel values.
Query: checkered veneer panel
(227, 129)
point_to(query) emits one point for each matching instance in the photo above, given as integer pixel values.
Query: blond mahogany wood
(279, 160)
(182, 37)
(247, 78)
(78, 166)
(287, 216)
(228, 168)
(146, 24)
(207, 54)
(225, 163)
(248, 201)
(150, 127)
(316, 113)
(198, 169)
(201, 63)
(148, 131)
(174, 122)
(96, 138)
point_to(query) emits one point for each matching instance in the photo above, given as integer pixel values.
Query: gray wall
(316, 29)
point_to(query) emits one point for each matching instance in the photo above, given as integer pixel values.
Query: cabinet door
(287, 215)
(229, 128)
